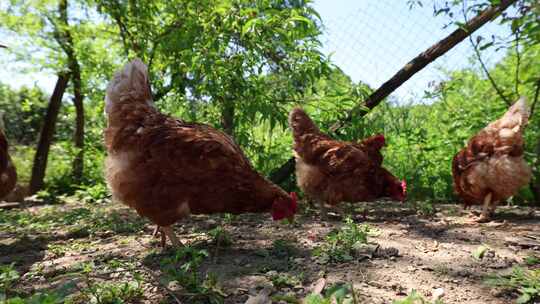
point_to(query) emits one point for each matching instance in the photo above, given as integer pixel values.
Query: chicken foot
(488, 208)
(162, 235)
(167, 232)
(326, 207)
(323, 210)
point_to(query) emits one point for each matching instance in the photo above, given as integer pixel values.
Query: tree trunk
(280, 174)
(47, 133)
(78, 161)
(64, 38)
(227, 117)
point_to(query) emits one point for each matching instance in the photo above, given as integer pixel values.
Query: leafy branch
(481, 61)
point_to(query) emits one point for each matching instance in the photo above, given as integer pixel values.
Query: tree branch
(518, 62)
(422, 60)
(483, 65)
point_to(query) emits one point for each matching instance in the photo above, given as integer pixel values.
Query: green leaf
(248, 27)
(524, 298)
(480, 252)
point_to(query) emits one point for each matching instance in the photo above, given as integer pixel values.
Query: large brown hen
(331, 171)
(491, 167)
(8, 174)
(166, 168)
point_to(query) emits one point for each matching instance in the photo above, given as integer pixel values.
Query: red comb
(378, 140)
(404, 186)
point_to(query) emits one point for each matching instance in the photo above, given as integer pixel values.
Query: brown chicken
(491, 167)
(331, 171)
(166, 168)
(8, 174)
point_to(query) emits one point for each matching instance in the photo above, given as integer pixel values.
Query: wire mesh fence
(372, 40)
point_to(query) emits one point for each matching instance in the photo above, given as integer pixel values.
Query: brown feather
(166, 168)
(8, 174)
(492, 161)
(332, 171)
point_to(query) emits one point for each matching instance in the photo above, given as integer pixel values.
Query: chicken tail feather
(517, 116)
(130, 82)
(300, 123)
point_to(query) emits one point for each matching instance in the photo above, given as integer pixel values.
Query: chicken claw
(162, 235)
(169, 232)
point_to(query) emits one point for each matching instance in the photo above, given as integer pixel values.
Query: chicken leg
(486, 209)
(323, 210)
(169, 232)
(162, 235)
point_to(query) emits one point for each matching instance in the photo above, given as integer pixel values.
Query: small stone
(298, 288)
(211, 223)
(437, 294)
(272, 273)
(174, 285)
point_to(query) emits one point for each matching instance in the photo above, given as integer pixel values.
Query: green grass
(183, 267)
(110, 293)
(415, 298)
(525, 281)
(339, 246)
(77, 221)
(220, 237)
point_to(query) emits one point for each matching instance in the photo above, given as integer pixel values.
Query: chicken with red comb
(330, 171)
(166, 168)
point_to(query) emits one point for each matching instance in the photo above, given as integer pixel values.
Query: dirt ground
(425, 253)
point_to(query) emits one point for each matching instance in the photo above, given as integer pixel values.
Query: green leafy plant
(340, 245)
(525, 281)
(111, 293)
(220, 237)
(8, 277)
(283, 248)
(424, 207)
(532, 260)
(280, 280)
(39, 298)
(479, 252)
(183, 267)
(97, 193)
(415, 298)
(58, 296)
(338, 293)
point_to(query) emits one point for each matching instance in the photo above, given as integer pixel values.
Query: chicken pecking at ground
(331, 171)
(8, 174)
(491, 167)
(166, 168)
